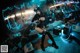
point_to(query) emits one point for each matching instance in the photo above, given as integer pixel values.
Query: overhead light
(12, 16)
(28, 12)
(7, 18)
(18, 14)
(23, 13)
(69, 2)
(56, 5)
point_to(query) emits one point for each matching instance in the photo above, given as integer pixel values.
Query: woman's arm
(40, 30)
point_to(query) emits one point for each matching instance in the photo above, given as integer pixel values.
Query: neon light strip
(19, 14)
(61, 4)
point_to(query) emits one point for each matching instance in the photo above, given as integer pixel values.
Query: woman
(40, 17)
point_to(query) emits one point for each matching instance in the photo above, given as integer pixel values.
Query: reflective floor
(64, 47)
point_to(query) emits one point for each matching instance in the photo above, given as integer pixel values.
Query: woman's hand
(39, 29)
(42, 18)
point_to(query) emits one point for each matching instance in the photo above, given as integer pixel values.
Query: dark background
(3, 5)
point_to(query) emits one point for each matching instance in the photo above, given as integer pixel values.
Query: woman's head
(38, 12)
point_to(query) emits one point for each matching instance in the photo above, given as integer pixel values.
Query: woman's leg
(53, 42)
(40, 30)
(42, 42)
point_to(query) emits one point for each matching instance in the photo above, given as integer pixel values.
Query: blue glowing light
(64, 40)
(16, 7)
(33, 0)
(49, 50)
(39, 35)
(49, 41)
(74, 34)
(17, 34)
(58, 27)
(63, 25)
(14, 29)
(37, 2)
(62, 32)
(3, 11)
(23, 5)
(62, 37)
